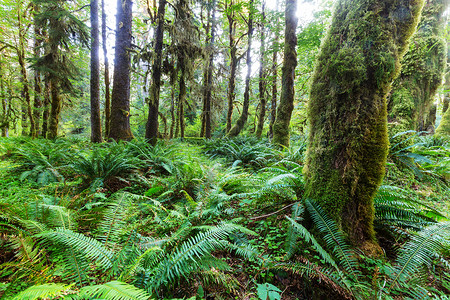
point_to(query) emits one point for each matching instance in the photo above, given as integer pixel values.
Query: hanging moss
(348, 140)
(423, 68)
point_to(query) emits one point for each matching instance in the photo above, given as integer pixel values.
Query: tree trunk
(443, 129)
(46, 106)
(423, 67)
(262, 79)
(208, 80)
(151, 131)
(181, 98)
(55, 109)
(348, 141)
(120, 102)
(96, 122)
(236, 129)
(286, 106)
(106, 74)
(37, 80)
(273, 104)
(27, 110)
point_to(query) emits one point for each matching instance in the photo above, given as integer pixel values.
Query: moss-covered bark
(236, 129)
(286, 106)
(423, 67)
(348, 141)
(444, 126)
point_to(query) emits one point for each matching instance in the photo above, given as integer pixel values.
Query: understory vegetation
(215, 219)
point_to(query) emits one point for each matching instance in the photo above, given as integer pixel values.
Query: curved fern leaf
(43, 291)
(115, 290)
(334, 238)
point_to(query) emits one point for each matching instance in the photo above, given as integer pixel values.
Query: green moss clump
(348, 141)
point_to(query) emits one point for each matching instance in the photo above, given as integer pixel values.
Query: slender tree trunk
(181, 98)
(262, 75)
(37, 80)
(348, 141)
(207, 107)
(151, 131)
(205, 72)
(96, 122)
(46, 106)
(231, 95)
(273, 104)
(236, 129)
(106, 74)
(120, 102)
(447, 89)
(284, 110)
(27, 110)
(55, 109)
(172, 112)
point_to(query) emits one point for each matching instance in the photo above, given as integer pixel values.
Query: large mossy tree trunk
(423, 68)
(106, 73)
(120, 100)
(96, 122)
(37, 105)
(237, 128)
(46, 106)
(348, 141)
(286, 105)
(151, 129)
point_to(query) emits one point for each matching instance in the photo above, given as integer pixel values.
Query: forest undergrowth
(215, 219)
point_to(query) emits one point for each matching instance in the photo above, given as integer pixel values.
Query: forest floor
(218, 219)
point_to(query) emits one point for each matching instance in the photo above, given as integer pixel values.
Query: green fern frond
(44, 291)
(420, 251)
(334, 238)
(91, 248)
(185, 258)
(291, 240)
(115, 290)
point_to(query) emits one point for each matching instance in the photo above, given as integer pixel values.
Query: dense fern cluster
(225, 219)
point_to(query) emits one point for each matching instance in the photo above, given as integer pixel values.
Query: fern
(91, 248)
(44, 291)
(418, 252)
(334, 238)
(115, 290)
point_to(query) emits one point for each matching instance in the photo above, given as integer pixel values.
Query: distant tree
(106, 73)
(208, 74)
(120, 101)
(262, 73)
(151, 131)
(348, 141)
(286, 105)
(232, 11)
(96, 122)
(236, 129)
(410, 105)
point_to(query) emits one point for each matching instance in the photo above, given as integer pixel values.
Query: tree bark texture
(237, 128)
(423, 68)
(37, 80)
(46, 106)
(273, 101)
(28, 112)
(262, 75)
(151, 131)
(120, 101)
(209, 74)
(55, 109)
(348, 141)
(106, 74)
(286, 106)
(96, 122)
